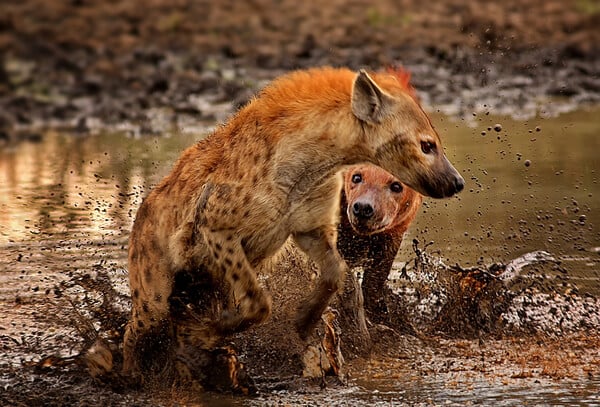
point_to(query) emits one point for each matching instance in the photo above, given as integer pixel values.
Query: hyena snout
(444, 182)
(457, 184)
(367, 216)
(363, 210)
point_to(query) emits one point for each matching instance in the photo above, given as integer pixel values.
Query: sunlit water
(67, 203)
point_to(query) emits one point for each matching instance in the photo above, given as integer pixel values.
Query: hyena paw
(231, 322)
(306, 320)
(253, 310)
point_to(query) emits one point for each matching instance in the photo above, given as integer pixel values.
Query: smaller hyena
(377, 210)
(271, 172)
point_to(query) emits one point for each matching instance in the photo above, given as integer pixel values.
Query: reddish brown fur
(393, 210)
(232, 200)
(374, 245)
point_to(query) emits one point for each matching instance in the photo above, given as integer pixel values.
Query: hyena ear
(369, 103)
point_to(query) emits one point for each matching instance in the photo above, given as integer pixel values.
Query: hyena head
(401, 135)
(376, 200)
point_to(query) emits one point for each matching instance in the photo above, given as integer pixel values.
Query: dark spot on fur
(250, 293)
(230, 250)
(148, 275)
(140, 324)
(158, 298)
(246, 213)
(136, 293)
(228, 261)
(218, 247)
(145, 307)
(235, 277)
(238, 265)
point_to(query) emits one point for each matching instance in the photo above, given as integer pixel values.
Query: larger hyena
(271, 172)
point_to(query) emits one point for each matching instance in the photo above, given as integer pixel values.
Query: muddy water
(68, 201)
(533, 185)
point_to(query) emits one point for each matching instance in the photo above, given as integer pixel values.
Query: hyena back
(271, 172)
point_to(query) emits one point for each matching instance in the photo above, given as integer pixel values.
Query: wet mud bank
(148, 69)
(455, 330)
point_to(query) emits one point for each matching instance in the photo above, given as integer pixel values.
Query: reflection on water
(68, 186)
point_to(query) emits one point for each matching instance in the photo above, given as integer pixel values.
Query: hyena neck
(298, 176)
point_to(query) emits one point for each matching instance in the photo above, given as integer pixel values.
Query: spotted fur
(271, 172)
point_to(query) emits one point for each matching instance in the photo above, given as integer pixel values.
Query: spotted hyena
(377, 209)
(271, 172)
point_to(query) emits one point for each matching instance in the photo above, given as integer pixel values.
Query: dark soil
(85, 64)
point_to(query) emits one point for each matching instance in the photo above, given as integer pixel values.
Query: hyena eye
(357, 178)
(428, 147)
(396, 187)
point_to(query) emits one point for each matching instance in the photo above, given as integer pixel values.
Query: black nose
(362, 210)
(459, 183)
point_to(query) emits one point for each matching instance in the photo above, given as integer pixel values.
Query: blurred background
(87, 63)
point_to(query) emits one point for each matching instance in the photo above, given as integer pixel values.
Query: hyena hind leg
(149, 333)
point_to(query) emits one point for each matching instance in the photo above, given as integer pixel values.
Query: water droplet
(527, 163)
(498, 127)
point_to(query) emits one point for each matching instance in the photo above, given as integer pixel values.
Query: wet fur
(270, 173)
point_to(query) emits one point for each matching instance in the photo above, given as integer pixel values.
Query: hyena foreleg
(320, 245)
(252, 304)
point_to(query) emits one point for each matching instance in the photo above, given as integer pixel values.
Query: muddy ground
(532, 332)
(148, 67)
